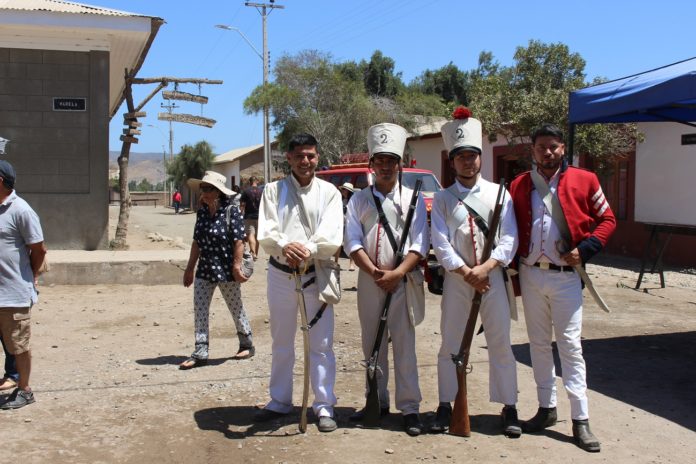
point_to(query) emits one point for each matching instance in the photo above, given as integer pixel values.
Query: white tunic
(279, 218)
(465, 245)
(363, 229)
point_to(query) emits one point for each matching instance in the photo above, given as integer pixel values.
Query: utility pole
(169, 107)
(262, 9)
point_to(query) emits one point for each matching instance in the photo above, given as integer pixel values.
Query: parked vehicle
(360, 176)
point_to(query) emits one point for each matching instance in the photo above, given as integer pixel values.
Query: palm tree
(191, 163)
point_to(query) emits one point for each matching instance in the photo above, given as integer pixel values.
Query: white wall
(665, 175)
(228, 170)
(427, 154)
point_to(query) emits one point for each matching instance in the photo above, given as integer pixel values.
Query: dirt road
(108, 389)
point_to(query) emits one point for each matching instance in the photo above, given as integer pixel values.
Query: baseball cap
(7, 173)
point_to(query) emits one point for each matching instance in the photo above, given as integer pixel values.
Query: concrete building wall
(229, 170)
(61, 157)
(664, 175)
(427, 151)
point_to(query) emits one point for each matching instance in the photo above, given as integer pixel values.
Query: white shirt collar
(10, 198)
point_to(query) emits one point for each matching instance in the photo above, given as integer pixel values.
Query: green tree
(449, 83)
(512, 101)
(338, 102)
(379, 76)
(310, 94)
(191, 162)
(145, 186)
(132, 185)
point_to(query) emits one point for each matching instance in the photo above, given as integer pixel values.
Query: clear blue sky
(615, 37)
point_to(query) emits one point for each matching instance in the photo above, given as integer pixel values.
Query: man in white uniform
(458, 238)
(368, 244)
(295, 242)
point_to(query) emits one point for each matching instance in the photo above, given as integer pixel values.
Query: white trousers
(495, 316)
(553, 302)
(403, 335)
(284, 307)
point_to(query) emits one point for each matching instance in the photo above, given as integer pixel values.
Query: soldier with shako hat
(368, 243)
(459, 219)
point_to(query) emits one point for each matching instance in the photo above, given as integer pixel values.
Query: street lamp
(266, 136)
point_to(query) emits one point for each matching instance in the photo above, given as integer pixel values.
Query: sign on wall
(69, 104)
(688, 139)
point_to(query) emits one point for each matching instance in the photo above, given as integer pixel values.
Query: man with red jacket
(551, 288)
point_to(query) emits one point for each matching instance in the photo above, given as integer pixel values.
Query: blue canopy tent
(663, 94)
(666, 94)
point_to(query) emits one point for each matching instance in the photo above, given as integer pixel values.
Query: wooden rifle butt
(460, 424)
(372, 408)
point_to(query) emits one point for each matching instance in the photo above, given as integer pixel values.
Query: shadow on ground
(175, 360)
(656, 373)
(237, 422)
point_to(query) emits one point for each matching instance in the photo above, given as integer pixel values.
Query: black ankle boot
(544, 418)
(443, 416)
(584, 437)
(511, 425)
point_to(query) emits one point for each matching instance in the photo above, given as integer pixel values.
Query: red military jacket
(584, 206)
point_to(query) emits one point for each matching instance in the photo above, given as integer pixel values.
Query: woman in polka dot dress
(217, 249)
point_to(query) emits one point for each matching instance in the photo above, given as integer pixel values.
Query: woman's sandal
(7, 383)
(192, 362)
(250, 352)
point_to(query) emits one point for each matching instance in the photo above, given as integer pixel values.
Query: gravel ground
(108, 388)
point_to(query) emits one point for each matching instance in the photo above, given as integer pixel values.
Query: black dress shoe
(412, 424)
(584, 437)
(544, 418)
(359, 415)
(443, 417)
(511, 425)
(265, 415)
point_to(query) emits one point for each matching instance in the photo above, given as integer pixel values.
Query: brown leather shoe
(543, 419)
(584, 437)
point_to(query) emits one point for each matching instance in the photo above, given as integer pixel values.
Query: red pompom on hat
(461, 112)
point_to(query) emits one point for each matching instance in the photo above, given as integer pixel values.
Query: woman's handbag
(247, 266)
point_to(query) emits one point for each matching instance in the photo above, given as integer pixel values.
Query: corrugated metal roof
(60, 6)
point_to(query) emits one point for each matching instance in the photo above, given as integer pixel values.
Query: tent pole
(571, 143)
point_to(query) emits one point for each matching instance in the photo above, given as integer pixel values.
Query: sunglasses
(207, 188)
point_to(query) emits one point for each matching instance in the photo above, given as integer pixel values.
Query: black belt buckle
(546, 266)
(287, 269)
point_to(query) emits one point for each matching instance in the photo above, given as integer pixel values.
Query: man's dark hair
(547, 129)
(302, 139)
(253, 179)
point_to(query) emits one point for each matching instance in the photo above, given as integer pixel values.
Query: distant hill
(148, 166)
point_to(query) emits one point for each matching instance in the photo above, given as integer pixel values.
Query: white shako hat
(386, 138)
(462, 133)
